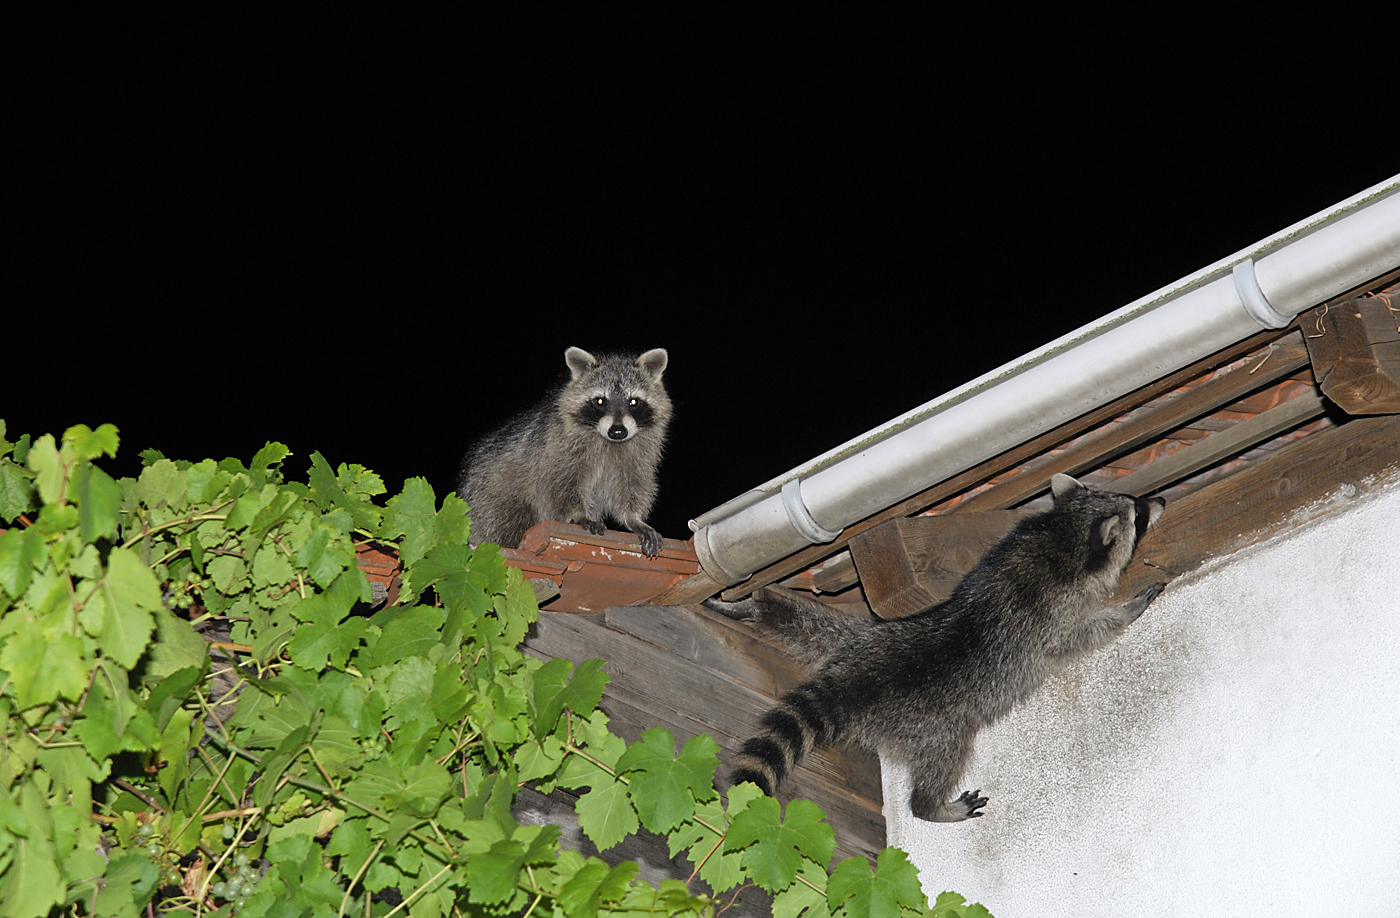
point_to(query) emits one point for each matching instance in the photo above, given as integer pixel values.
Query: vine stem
(413, 895)
(182, 521)
(358, 874)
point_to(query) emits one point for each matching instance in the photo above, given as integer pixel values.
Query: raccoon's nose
(617, 432)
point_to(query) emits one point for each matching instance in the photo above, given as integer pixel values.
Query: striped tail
(803, 720)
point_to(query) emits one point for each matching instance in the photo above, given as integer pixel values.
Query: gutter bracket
(801, 517)
(1253, 299)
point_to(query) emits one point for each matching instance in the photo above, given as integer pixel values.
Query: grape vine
(207, 709)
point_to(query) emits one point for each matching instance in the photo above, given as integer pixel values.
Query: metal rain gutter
(1265, 285)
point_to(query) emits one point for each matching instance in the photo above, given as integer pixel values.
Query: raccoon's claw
(1139, 603)
(650, 539)
(972, 801)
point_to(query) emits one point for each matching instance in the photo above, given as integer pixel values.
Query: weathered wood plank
(1355, 348)
(686, 695)
(1219, 446)
(907, 565)
(1266, 498)
(713, 642)
(653, 687)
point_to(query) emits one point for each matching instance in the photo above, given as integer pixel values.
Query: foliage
(204, 712)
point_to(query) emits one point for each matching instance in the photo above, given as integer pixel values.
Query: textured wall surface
(1237, 752)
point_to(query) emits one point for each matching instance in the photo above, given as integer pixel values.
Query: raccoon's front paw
(1139, 603)
(594, 526)
(650, 539)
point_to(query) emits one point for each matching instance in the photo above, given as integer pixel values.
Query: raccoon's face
(615, 414)
(1115, 522)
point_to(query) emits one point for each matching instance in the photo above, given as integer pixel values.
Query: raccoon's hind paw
(1139, 603)
(964, 807)
(972, 802)
(739, 611)
(594, 526)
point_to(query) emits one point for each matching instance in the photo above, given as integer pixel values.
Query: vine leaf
(606, 813)
(41, 668)
(779, 844)
(596, 883)
(801, 900)
(552, 695)
(855, 892)
(666, 787)
(132, 594)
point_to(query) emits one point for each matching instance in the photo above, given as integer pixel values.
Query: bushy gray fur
(587, 452)
(919, 688)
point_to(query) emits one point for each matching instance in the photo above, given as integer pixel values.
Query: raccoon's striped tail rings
(791, 730)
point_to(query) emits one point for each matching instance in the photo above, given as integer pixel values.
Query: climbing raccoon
(587, 452)
(919, 688)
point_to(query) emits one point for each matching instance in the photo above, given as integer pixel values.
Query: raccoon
(587, 452)
(919, 688)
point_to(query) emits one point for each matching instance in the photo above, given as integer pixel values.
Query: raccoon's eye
(632, 402)
(600, 401)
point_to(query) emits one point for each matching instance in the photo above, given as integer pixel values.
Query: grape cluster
(147, 835)
(373, 747)
(186, 591)
(238, 888)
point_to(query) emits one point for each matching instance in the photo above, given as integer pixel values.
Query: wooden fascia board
(1301, 482)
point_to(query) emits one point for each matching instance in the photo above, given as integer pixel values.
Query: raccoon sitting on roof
(587, 452)
(919, 688)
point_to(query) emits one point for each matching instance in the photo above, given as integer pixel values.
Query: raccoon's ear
(653, 363)
(1061, 484)
(579, 361)
(1108, 529)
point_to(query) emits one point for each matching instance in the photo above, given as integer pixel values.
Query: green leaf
(452, 526)
(89, 444)
(424, 788)
(491, 875)
(270, 455)
(42, 668)
(48, 469)
(319, 644)
(721, 869)
(99, 501)
(595, 884)
(410, 515)
(132, 593)
(162, 484)
(323, 555)
(177, 647)
(16, 490)
(777, 845)
(412, 633)
(327, 492)
(665, 787)
(952, 905)
(855, 892)
(551, 695)
(800, 899)
(606, 813)
(130, 882)
(20, 550)
(32, 884)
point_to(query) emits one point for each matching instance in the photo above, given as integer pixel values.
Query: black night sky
(381, 256)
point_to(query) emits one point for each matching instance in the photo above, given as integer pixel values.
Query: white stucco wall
(1237, 752)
